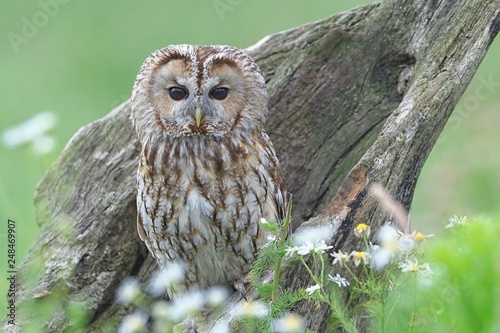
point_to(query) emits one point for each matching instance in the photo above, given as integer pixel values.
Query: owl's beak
(197, 117)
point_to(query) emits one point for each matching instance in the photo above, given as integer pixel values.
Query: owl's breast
(204, 207)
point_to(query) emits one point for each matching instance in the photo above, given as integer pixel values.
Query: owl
(208, 172)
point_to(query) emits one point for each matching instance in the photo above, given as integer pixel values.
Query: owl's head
(187, 90)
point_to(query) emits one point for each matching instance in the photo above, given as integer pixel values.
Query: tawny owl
(208, 172)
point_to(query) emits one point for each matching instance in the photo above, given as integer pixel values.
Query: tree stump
(355, 99)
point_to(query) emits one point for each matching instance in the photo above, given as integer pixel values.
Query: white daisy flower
(413, 266)
(457, 221)
(311, 290)
(362, 230)
(419, 237)
(309, 247)
(340, 257)
(291, 250)
(360, 257)
(340, 281)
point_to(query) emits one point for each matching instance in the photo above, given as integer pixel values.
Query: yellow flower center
(419, 237)
(361, 227)
(360, 255)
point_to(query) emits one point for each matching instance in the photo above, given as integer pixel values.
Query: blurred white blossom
(33, 131)
(134, 322)
(289, 323)
(128, 291)
(382, 254)
(159, 310)
(374, 247)
(311, 239)
(457, 221)
(217, 295)
(381, 257)
(406, 243)
(388, 235)
(253, 309)
(221, 327)
(44, 145)
(163, 279)
(188, 303)
(312, 235)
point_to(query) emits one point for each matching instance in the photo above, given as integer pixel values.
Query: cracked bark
(355, 99)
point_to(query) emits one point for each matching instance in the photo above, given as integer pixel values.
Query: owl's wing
(140, 229)
(276, 177)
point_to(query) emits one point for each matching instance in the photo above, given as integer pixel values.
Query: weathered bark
(355, 99)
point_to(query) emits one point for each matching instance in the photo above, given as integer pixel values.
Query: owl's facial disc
(205, 93)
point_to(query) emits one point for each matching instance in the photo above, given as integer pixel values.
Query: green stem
(355, 278)
(322, 269)
(414, 312)
(284, 232)
(309, 270)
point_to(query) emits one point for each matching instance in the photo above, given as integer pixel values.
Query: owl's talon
(242, 285)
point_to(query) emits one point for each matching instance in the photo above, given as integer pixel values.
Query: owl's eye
(177, 93)
(219, 93)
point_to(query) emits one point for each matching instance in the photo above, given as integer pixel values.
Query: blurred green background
(81, 58)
